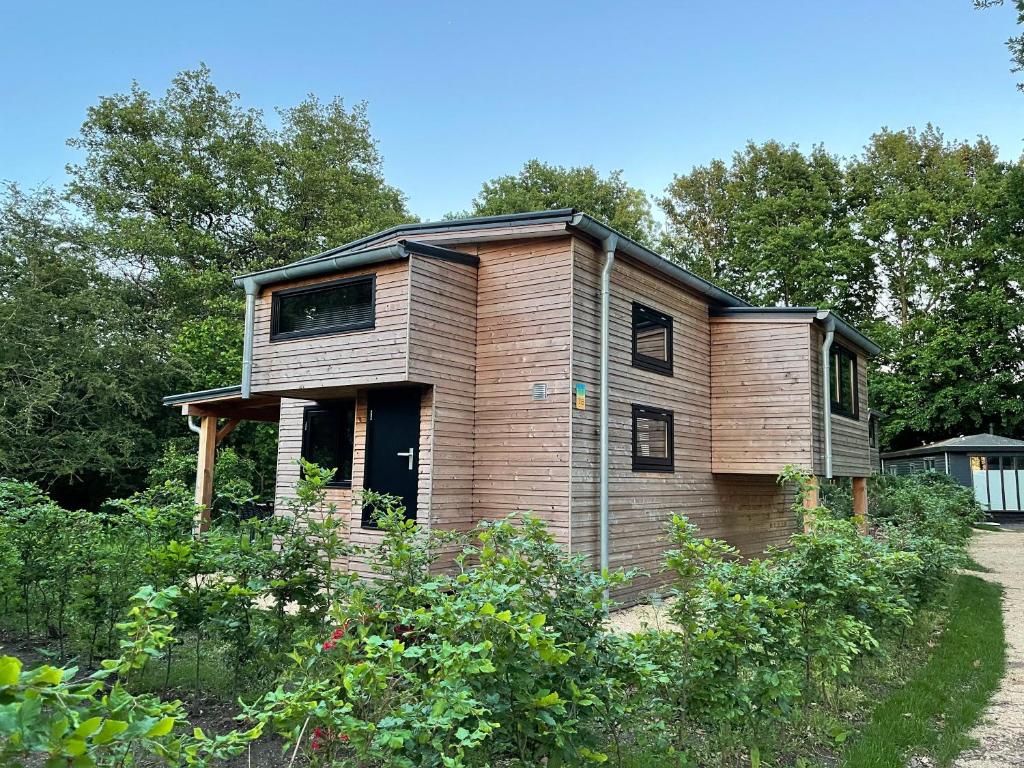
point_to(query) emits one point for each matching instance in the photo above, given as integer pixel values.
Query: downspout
(826, 391)
(251, 289)
(609, 243)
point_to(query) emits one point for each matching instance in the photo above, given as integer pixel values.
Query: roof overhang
(227, 403)
(338, 261)
(808, 314)
(372, 250)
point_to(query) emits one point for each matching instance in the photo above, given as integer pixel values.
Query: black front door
(392, 446)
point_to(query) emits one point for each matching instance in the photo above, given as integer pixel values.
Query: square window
(652, 340)
(335, 307)
(328, 432)
(653, 442)
(843, 382)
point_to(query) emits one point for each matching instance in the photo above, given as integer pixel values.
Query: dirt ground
(1000, 734)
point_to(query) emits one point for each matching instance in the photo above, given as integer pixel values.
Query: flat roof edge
(202, 394)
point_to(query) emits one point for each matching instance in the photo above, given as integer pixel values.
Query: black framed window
(873, 431)
(843, 382)
(653, 440)
(652, 339)
(328, 432)
(335, 307)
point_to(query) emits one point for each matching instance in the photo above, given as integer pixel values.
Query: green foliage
(539, 187)
(95, 720)
(499, 660)
(76, 357)
(759, 639)
(485, 647)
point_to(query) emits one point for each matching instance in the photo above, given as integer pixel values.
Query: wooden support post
(860, 503)
(204, 471)
(810, 503)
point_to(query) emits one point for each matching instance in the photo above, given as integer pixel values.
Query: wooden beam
(204, 472)
(860, 503)
(227, 429)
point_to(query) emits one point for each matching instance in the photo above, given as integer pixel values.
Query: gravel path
(1000, 734)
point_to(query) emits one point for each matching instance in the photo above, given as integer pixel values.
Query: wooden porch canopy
(210, 406)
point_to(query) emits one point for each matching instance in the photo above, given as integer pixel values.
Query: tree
(80, 388)
(172, 197)
(1015, 44)
(539, 186)
(918, 201)
(774, 227)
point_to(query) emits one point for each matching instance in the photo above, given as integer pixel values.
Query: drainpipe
(826, 390)
(251, 289)
(609, 243)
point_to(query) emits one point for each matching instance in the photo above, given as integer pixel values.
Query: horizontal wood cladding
(523, 326)
(750, 511)
(371, 356)
(442, 353)
(851, 451)
(760, 395)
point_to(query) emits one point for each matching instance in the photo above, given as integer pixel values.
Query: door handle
(411, 453)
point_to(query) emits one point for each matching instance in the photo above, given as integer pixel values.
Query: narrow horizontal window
(328, 432)
(652, 340)
(653, 442)
(342, 305)
(843, 382)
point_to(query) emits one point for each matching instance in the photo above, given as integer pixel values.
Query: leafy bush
(96, 720)
(486, 647)
(501, 660)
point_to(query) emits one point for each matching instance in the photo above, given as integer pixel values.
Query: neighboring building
(990, 464)
(459, 364)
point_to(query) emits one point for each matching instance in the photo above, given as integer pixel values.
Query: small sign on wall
(581, 396)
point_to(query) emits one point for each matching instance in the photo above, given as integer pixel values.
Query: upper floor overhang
(811, 315)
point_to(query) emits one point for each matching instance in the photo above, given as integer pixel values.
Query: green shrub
(51, 712)
(501, 660)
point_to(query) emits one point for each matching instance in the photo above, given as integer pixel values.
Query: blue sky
(461, 92)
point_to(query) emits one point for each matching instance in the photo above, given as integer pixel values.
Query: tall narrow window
(843, 382)
(873, 431)
(341, 305)
(653, 442)
(327, 438)
(652, 340)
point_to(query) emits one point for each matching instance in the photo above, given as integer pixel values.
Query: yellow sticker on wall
(581, 397)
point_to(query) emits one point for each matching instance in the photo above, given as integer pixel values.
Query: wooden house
(544, 362)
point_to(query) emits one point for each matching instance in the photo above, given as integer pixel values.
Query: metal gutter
(203, 394)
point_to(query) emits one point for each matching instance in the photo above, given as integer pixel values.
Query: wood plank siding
(751, 511)
(761, 395)
(524, 322)
(851, 454)
(374, 356)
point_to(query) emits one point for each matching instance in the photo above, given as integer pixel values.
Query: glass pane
(329, 437)
(651, 438)
(652, 341)
(331, 308)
